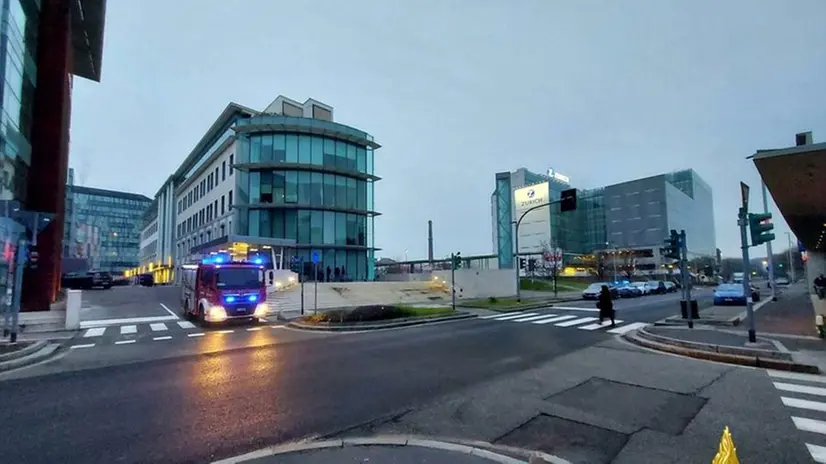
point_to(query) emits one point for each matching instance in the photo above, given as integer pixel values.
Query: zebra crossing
(127, 334)
(805, 395)
(561, 319)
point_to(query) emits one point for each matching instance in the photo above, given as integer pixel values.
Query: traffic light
(672, 246)
(457, 260)
(521, 263)
(760, 227)
(531, 265)
(567, 200)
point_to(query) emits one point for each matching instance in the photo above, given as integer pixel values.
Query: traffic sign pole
(743, 222)
(316, 258)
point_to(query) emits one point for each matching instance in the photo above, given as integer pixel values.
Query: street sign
(316, 257)
(744, 193)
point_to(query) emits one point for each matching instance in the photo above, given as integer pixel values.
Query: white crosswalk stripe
(514, 316)
(186, 325)
(548, 320)
(94, 332)
(158, 327)
(803, 395)
(574, 319)
(128, 329)
(581, 320)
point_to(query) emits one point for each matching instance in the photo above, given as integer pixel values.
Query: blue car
(733, 294)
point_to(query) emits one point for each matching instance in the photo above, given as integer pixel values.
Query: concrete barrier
(73, 302)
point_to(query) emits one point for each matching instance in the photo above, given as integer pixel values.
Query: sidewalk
(399, 449)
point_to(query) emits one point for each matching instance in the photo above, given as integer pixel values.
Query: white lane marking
(128, 329)
(77, 347)
(199, 334)
(803, 404)
(605, 323)
(797, 376)
(253, 329)
(800, 388)
(129, 320)
(186, 325)
(263, 319)
(575, 308)
(627, 328)
(548, 320)
(165, 337)
(96, 332)
(520, 313)
(158, 327)
(225, 331)
(278, 327)
(581, 320)
(809, 425)
(818, 453)
(124, 342)
(169, 310)
(533, 318)
(505, 318)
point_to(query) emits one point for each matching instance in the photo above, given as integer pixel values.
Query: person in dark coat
(605, 305)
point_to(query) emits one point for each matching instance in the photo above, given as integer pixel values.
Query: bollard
(73, 309)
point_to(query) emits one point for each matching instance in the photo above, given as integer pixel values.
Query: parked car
(733, 294)
(782, 280)
(146, 280)
(628, 291)
(592, 292)
(101, 279)
(670, 286)
(643, 286)
(656, 287)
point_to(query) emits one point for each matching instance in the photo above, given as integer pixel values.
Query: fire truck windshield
(239, 277)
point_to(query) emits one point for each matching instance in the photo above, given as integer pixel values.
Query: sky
(455, 91)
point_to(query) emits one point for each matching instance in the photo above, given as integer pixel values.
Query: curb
(752, 360)
(480, 449)
(20, 353)
(390, 325)
(44, 350)
(724, 349)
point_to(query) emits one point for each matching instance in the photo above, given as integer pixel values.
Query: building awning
(88, 17)
(796, 179)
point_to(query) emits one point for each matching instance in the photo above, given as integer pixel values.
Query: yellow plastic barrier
(726, 453)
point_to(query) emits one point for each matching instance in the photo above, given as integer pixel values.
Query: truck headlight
(261, 310)
(217, 314)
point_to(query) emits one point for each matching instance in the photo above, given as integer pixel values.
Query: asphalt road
(198, 407)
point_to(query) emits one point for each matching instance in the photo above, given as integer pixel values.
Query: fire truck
(216, 291)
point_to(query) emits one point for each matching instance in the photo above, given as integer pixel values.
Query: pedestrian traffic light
(457, 260)
(672, 246)
(567, 200)
(521, 263)
(760, 227)
(531, 265)
(33, 257)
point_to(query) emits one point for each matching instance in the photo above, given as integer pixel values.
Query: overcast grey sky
(602, 91)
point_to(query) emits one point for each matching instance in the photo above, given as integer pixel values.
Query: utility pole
(769, 255)
(743, 222)
(686, 283)
(791, 264)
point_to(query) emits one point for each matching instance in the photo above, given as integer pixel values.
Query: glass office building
(636, 214)
(309, 181)
(103, 227)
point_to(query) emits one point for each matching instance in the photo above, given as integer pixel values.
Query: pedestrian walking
(605, 305)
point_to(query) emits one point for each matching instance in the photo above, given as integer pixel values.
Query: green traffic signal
(760, 227)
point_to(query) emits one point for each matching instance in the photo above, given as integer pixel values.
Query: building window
(230, 200)
(223, 170)
(215, 207)
(222, 205)
(231, 158)
(215, 176)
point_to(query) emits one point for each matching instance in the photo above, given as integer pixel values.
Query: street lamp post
(516, 244)
(613, 258)
(791, 265)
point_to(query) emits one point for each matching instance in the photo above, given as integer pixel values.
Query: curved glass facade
(322, 197)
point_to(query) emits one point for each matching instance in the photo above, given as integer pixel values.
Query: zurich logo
(531, 193)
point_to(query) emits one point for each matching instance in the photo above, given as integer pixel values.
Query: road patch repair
(721, 346)
(375, 317)
(611, 403)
